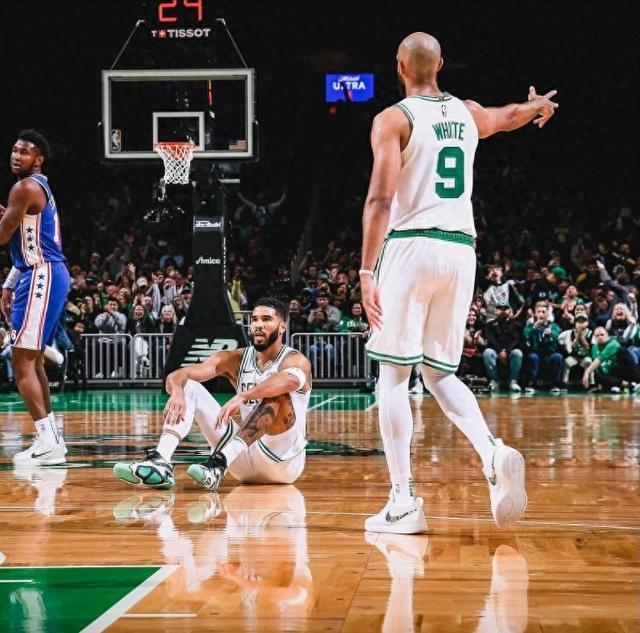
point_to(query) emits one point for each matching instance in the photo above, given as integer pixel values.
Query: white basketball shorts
(426, 279)
(264, 463)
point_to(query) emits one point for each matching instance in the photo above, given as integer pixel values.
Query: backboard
(212, 107)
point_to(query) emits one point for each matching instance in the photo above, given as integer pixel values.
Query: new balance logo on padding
(201, 349)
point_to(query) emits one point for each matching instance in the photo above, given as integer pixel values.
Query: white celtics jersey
(249, 375)
(436, 176)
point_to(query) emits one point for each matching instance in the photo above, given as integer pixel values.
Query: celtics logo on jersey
(245, 386)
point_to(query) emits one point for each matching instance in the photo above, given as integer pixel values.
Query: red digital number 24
(172, 4)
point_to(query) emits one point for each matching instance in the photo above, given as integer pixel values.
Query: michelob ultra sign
(349, 87)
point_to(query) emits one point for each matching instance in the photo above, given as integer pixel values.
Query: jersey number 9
(450, 167)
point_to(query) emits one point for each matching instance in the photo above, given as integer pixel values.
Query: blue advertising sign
(349, 87)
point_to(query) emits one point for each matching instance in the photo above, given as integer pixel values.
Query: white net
(177, 161)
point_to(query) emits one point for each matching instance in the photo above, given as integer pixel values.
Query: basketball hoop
(177, 161)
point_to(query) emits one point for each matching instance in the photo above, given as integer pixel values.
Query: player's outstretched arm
(294, 375)
(220, 364)
(22, 197)
(511, 117)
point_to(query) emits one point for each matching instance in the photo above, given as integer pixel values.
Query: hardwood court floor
(80, 550)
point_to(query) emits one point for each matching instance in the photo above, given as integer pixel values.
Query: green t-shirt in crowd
(607, 354)
(350, 323)
(543, 340)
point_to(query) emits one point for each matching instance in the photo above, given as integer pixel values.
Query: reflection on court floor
(83, 551)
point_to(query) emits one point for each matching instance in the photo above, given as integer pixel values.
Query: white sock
(396, 428)
(167, 444)
(461, 407)
(233, 449)
(47, 431)
(198, 401)
(59, 424)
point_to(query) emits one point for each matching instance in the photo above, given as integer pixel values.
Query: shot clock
(180, 19)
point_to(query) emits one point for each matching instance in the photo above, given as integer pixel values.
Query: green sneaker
(211, 473)
(153, 471)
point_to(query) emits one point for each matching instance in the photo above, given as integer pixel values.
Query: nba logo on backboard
(116, 140)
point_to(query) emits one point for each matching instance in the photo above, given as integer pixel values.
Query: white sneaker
(555, 391)
(493, 385)
(529, 390)
(399, 519)
(62, 443)
(514, 386)
(41, 454)
(506, 485)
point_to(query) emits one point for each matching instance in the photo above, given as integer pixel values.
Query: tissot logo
(180, 34)
(208, 260)
(201, 349)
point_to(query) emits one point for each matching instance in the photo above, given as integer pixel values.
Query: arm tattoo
(264, 415)
(255, 426)
(288, 413)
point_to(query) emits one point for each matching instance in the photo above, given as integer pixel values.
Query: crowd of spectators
(133, 277)
(554, 318)
(550, 318)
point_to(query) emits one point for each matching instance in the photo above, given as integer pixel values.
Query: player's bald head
(420, 56)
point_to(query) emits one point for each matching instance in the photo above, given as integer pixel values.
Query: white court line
(372, 405)
(481, 520)
(315, 406)
(7, 582)
(356, 514)
(83, 566)
(159, 615)
(123, 605)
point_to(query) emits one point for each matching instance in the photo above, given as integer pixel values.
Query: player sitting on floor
(273, 386)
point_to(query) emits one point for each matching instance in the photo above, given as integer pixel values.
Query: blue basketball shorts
(39, 298)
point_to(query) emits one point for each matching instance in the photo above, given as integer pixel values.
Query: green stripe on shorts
(396, 360)
(437, 364)
(436, 234)
(376, 270)
(224, 440)
(270, 454)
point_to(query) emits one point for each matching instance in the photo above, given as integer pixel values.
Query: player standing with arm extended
(39, 281)
(418, 232)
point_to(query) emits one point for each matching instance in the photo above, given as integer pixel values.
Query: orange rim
(174, 147)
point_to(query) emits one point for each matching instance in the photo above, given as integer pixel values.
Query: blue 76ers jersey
(37, 240)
